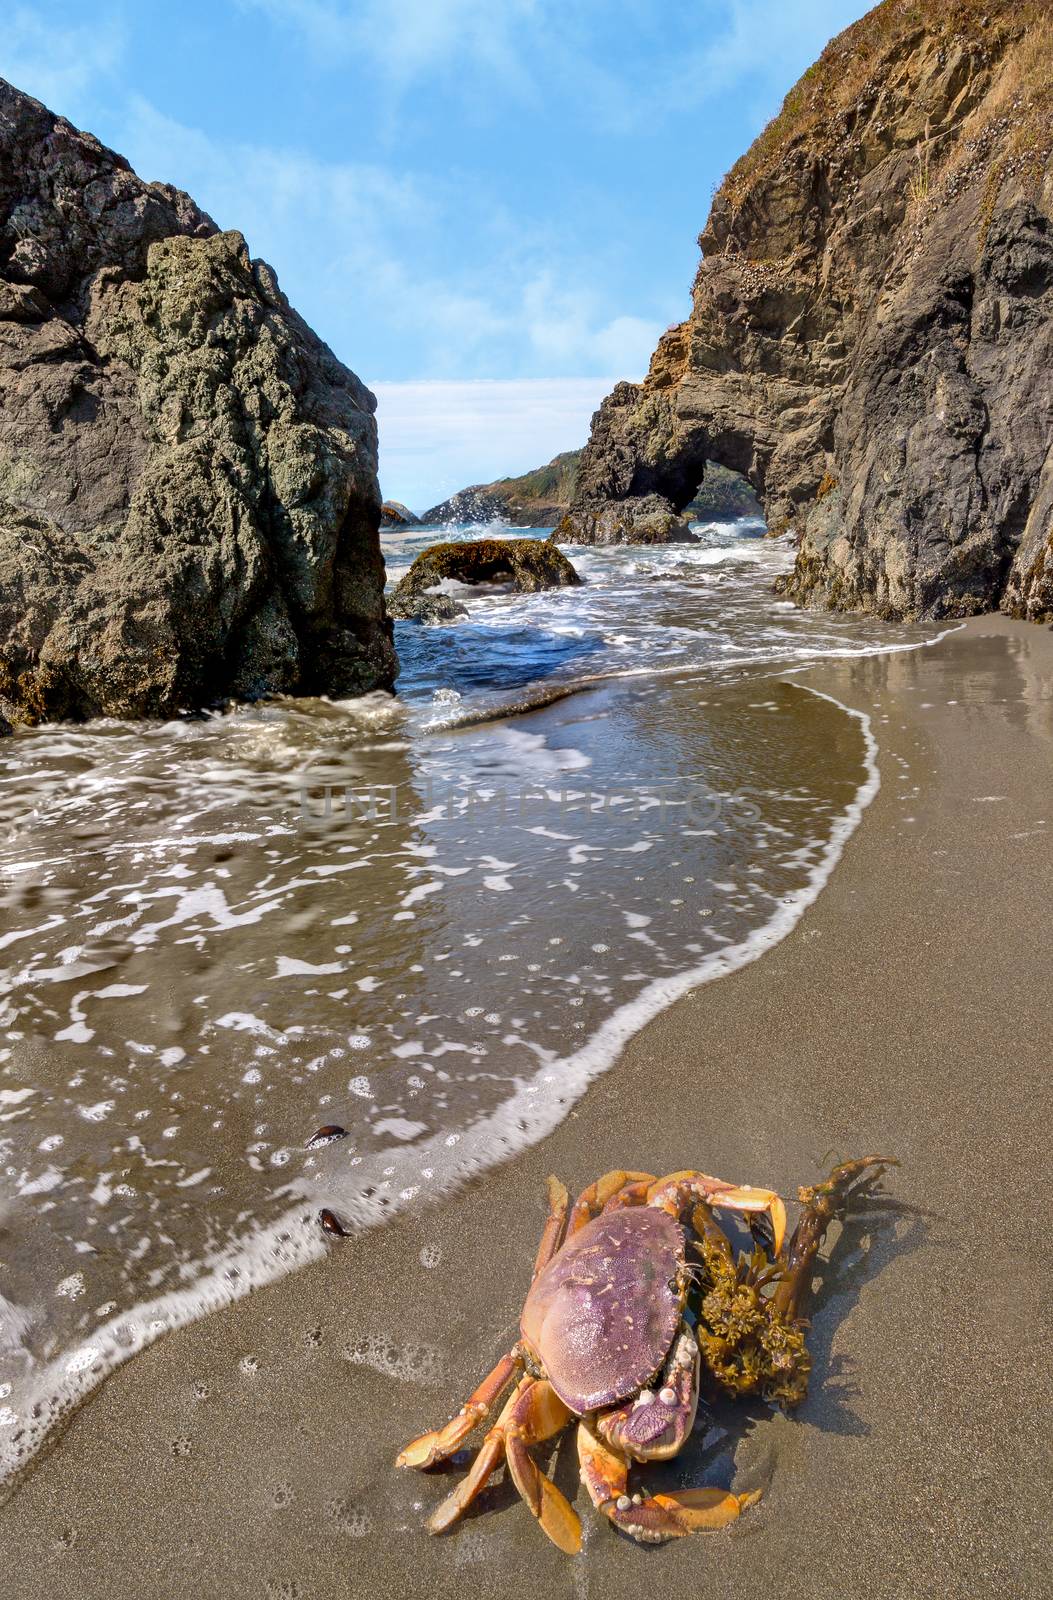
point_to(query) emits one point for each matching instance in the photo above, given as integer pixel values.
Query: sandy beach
(908, 1012)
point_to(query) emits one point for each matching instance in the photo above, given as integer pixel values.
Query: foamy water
(421, 920)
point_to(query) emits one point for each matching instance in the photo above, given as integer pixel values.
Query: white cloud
(56, 62)
(349, 242)
(767, 41)
(262, 189)
(438, 437)
(410, 37)
(674, 53)
(567, 324)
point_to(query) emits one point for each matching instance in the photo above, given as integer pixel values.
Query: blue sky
(488, 208)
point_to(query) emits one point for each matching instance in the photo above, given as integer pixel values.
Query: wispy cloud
(533, 49)
(349, 239)
(58, 62)
(436, 437)
(409, 37)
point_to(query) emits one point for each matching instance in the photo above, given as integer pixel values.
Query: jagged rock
(871, 339)
(188, 495)
(641, 519)
(426, 608)
(526, 564)
(394, 514)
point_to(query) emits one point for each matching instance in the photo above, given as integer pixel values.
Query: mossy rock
(526, 564)
(425, 608)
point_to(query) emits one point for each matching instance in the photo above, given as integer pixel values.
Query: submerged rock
(871, 338)
(526, 564)
(428, 608)
(646, 519)
(189, 505)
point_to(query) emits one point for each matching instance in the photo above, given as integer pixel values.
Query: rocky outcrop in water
(393, 514)
(535, 500)
(527, 565)
(871, 338)
(425, 608)
(540, 499)
(188, 493)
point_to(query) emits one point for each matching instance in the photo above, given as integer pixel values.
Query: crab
(636, 1307)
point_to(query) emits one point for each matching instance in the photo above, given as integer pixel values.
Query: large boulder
(871, 336)
(189, 506)
(525, 564)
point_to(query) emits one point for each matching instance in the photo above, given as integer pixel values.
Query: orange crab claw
(433, 1447)
(680, 1189)
(651, 1519)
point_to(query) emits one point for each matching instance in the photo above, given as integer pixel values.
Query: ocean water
(429, 920)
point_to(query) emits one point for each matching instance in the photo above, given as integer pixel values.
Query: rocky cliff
(871, 336)
(188, 491)
(534, 500)
(539, 499)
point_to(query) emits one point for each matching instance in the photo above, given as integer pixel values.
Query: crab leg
(633, 1194)
(533, 1414)
(821, 1205)
(656, 1424)
(674, 1193)
(538, 1414)
(651, 1518)
(556, 1225)
(433, 1447)
(597, 1196)
(488, 1458)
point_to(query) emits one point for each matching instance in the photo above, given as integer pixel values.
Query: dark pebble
(326, 1135)
(332, 1224)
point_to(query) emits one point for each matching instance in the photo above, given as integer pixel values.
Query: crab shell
(602, 1316)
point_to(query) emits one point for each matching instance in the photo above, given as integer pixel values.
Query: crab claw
(651, 1519)
(442, 1442)
(680, 1189)
(655, 1425)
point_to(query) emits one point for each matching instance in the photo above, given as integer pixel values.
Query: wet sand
(909, 1011)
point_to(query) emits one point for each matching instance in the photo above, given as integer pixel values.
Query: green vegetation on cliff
(849, 72)
(539, 499)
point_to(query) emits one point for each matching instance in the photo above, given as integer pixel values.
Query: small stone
(326, 1135)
